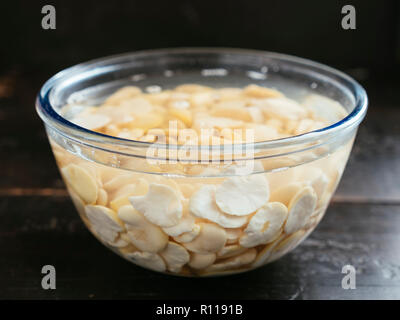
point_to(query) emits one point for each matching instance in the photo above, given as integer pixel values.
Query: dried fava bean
(178, 96)
(261, 92)
(334, 180)
(92, 169)
(179, 105)
(201, 261)
(81, 182)
(105, 173)
(124, 236)
(159, 179)
(317, 178)
(230, 251)
(304, 125)
(92, 121)
(315, 217)
(129, 248)
(232, 109)
(290, 126)
(63, 158)
(238, 103)
(264, 225)
(210, 240)
(147, 121)
(202, 205)
(278, 124)
(122, 95)
(119, 243)
(319, 124)
(102, 198)
(300, 209)
(319, 214)
(160, 205)
(285, 244)
(119, 181)
(132, 134)
(148, 138)
(216, 122)
(319, 211)
(192, 88)
(285, 193)
(233, 235)
(188, 189)
(277, 164)
(262, 132)
(278, 179)
(175, 256)
(119, 202)
(159, 134)
(158, 98)
(104, 222)
(143, 234)
(325, 108)
(224, 94)
(136, 133)
(244, 168)
(256, 115)
(112, 130)
(121, 196)
(234, 262)
(228, 135)
(139, 188)
(186, 223)
(242, 195)
(120, 116)
(138, 106)
(282, 108)
(182, 114)
(148, 260)
(79, 204)
(188, 236)
(202, 100)
(264, 254)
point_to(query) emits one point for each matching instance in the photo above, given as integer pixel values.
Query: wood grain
(48, 231)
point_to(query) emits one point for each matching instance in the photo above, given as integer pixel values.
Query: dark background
(91, 29)
(39, 226)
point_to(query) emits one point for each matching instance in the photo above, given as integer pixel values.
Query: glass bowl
(102, 173)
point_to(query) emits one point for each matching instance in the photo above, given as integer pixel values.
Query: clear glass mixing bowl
(104, 164)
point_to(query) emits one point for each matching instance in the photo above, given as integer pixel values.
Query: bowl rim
(70, 130)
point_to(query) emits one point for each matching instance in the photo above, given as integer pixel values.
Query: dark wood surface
(39, 226)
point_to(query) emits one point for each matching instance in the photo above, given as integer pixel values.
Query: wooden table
(39, 226)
